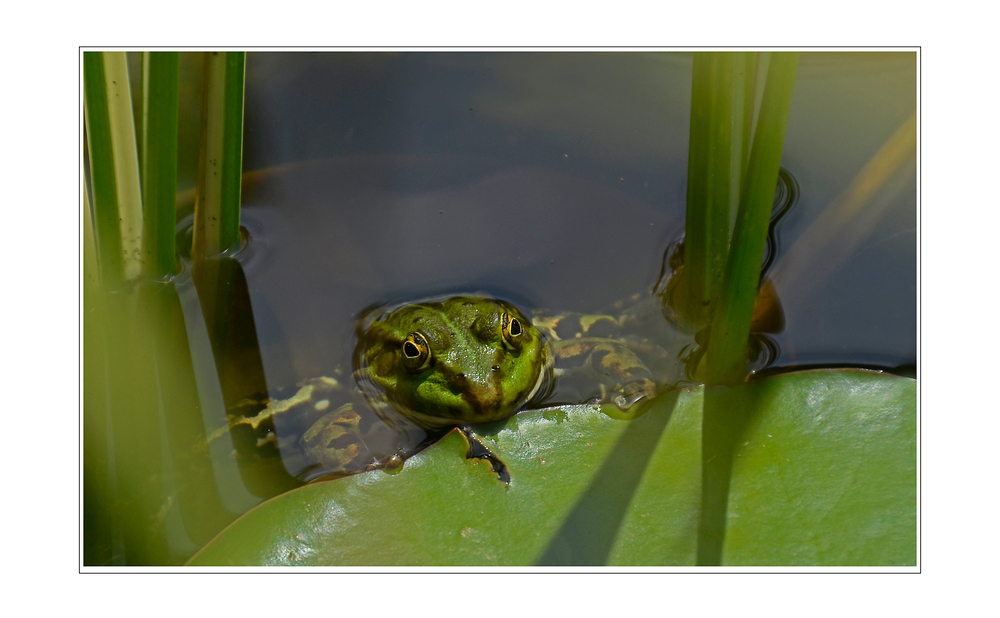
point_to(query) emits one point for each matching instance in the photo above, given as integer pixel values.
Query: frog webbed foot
(479, 450)
(410, 440)
(633, 393)
(335, 443)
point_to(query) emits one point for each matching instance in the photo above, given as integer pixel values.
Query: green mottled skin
(475, 373)
(480, 360)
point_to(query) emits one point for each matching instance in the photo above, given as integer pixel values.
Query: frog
(462, 361)
(457, 362)
(451, 362)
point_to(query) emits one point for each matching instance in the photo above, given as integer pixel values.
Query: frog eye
(511, 329)
(416, 353)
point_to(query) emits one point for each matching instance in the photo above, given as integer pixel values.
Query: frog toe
(634, 393)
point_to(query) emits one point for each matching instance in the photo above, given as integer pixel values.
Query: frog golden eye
(416, 353)
(511, 329)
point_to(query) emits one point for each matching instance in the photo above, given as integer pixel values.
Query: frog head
(461, 360)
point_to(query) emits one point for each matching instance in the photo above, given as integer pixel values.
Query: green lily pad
(808, 468)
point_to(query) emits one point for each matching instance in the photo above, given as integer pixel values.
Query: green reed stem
(707, 229)
(91, 272)
(744, 79)
(721, 124)
(114, 166)
(217, 202)
(159, 162)
(727, 348)
(102, 167)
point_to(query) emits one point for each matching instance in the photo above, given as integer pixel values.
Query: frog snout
(481, 394)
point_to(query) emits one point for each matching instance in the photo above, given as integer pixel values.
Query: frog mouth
(479, 405)
(485, 399)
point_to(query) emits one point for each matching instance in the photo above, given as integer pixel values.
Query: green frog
(427, 367)
(443, 363)
(430, 366)
(451, 362)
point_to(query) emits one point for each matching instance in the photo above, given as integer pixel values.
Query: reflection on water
(552, 181)
(785, 196)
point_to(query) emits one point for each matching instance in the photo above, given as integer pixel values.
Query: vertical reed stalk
(114, 166)
(706, 240)
(217, 201)
(721, 126)
(159, 162)
(744, 78)
(91, 273)
(727, 349)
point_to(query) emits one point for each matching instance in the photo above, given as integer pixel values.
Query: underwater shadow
(588, 533)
